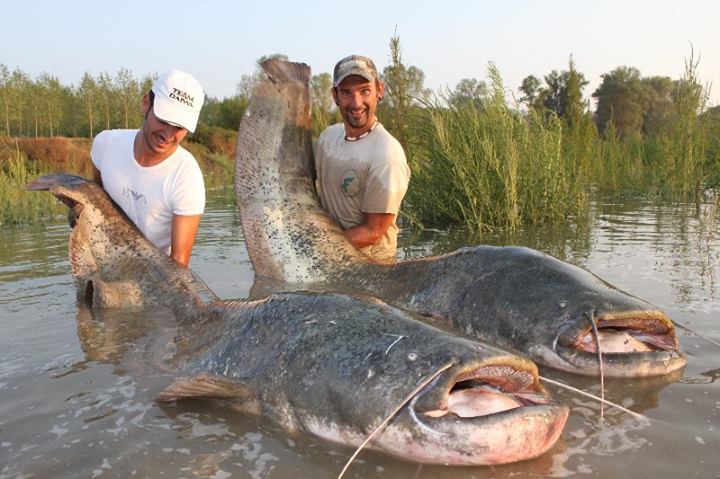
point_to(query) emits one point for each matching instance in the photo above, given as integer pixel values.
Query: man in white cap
(362, 171)
(156, 181)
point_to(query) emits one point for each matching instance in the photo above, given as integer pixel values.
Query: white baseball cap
(178, 99)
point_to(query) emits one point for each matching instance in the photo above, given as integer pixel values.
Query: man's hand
(182, 237)
(371, 230)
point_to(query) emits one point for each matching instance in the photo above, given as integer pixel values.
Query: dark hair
(151, 99)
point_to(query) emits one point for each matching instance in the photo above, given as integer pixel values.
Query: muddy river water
(77, 389)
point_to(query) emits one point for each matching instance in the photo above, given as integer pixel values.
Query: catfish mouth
(483, 391)
(636, 343)
(483, 415)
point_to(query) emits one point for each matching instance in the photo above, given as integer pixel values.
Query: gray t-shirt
(368, 175)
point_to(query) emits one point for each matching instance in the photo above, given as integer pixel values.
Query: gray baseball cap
(354, 65)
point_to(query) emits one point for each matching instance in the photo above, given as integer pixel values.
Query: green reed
(16, 204)
(675, 164)
(20, 206)
(492, 167)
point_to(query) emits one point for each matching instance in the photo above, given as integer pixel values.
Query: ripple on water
(96, 414)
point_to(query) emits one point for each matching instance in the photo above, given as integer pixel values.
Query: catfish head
(113, 263)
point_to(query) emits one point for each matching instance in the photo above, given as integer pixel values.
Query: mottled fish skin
(514, 296)
(336, 365)
(113, 264)
(329, 364)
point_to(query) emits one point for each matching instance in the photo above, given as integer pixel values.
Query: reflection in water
(680, 240)
(77, 388)
(705, 378)
(612, 433)
(105, 335)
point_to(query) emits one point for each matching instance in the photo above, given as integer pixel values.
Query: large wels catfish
(325, 363)
(513, 296)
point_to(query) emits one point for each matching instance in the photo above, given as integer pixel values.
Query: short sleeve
(97, 151)
(188, 195)
(387, 182)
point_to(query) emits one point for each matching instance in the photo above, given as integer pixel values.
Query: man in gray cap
(149, 175)
(362, 171)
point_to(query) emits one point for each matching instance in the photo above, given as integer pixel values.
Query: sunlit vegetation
(16, 205)
(482, 156)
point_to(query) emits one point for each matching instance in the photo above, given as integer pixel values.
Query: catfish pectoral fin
(206, 386)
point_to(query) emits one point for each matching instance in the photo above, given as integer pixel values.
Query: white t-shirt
(368, 175)
(149, 195)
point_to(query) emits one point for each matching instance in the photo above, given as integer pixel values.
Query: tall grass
(23, 159)
(16, 204)
(492, 167)
(484, 168)
(675, 164)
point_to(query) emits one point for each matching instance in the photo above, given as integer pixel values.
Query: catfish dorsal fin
(206, 386)
(282, 71)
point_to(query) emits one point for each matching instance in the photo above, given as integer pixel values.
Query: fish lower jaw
(616, 364)
(515, 435)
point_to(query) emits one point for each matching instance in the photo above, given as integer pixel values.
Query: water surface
(77, 387)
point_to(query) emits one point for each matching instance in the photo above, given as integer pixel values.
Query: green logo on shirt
(346, 183)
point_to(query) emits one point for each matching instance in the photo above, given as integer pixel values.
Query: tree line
(627, 103)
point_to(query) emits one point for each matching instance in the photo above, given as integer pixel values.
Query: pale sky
(218, 41)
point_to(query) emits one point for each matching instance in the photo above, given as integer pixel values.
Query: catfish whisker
(592, 396)
(591, 317)
(688, 330)
(412, 394)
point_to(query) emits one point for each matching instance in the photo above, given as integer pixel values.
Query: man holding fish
(156, 182)
(362, 171)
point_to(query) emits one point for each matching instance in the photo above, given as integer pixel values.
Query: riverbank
(22, 159)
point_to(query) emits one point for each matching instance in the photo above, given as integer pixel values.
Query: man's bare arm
(371, 230)
(182, 237)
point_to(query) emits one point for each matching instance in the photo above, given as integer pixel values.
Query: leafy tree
(563, 92)
(51, 94)
(620, 98)
(128, 94)
(404, 85)
(404, 90)
(323, 108)
(20, 99)
(561, 95)
(88, 94)
(572, 104)
(659, 109)
(530, 89)
(470, 91)
(105, 88)
(5, 96)
(226, 113)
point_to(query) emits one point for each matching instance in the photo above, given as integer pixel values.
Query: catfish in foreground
(327, 364)
(512, 296)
